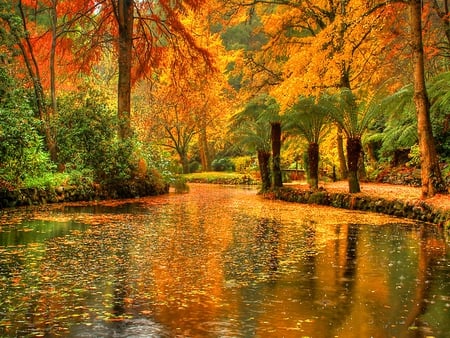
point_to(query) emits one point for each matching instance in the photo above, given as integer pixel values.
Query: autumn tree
(317, 46)
(143, 31)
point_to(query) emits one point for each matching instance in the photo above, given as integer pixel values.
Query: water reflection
(221, 262)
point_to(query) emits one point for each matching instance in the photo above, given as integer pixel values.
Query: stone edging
(35, 196)
(416, 210)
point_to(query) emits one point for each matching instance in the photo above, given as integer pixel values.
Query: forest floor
(383, 190)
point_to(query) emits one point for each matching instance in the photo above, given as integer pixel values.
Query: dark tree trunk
(354, 148)
(343, 171)
(264, 169)
(432, 181)
(184, 163)
(125, 13)
(203, 147)
(313, 163)
(276, 154)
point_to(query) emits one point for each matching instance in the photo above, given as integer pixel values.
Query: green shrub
(180, 185)
(22, 151)
(86, 130)
(244, 164)
(46, 180)
(223, 164)
(194, 166)
(414, 155)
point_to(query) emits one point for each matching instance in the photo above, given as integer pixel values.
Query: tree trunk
(45, 113)
(313, 163)
(125, 13)
(343, 171)
(184, 163)
(203, 147)
(432, 181)
(353, 153)
(276, 154)
(264, 169)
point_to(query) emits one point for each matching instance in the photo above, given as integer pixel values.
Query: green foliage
(221, 178)
(398, 129)
(244, 163)
(118, 163)
(22, 153)
(223, 164)
(245, 35)
(86, 133)
(81, 178)
(352, 116)
(46, 180)
(194, 166)
(439, 90)
(414, 155)
(309, 118)
(251, 126)
(180, 185)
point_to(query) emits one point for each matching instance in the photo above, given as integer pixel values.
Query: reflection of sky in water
(221, 262)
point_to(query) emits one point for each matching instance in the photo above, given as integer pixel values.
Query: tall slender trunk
(203, 146)
(313, 162)
(264, 169)
(343, 171)
(125, 13)
(276, 154)
(432, 181)
(354, 148)
(45, 113)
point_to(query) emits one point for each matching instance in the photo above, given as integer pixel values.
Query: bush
(86, 131)
(194, 166)
(223, 164)
(180, 185)
(245, 164)
(22, 152)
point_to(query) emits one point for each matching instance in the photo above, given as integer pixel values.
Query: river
(219, 262)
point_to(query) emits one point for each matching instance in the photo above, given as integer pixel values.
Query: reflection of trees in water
(431, 250)
(336, 305)
(309, 236)
(268, 240)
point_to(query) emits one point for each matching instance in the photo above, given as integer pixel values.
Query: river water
(219, 262)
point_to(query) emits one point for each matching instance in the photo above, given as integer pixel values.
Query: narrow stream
(219, 262)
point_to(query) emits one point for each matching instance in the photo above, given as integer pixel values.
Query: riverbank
(92, 192)
(395, 200)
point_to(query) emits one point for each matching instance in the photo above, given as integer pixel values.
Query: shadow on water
(221, 262)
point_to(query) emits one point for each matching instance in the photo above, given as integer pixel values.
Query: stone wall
(93, 192)
(417, 210)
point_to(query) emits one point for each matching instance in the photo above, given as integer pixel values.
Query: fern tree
(309, 118)
(269, 114)
(251, 131)
(399, 124)
(354, 119)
